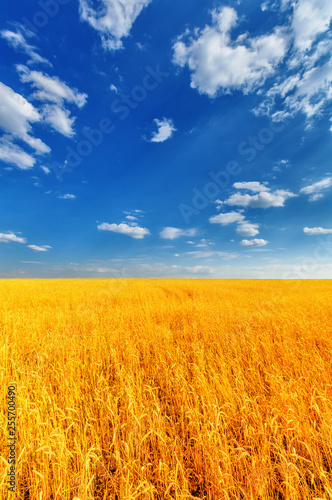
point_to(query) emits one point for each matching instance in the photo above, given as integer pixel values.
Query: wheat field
(168, 389)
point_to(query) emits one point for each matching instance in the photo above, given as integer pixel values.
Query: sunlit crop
(168, 389)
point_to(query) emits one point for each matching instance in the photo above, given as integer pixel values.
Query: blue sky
(141, 138)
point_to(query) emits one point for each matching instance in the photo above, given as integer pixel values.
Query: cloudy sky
(145, 138)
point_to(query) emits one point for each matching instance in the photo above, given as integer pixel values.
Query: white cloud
(303, 44)
(255, 187)
(67, 196)
(42, 248)
(113, 19)
(14, 155)
(165, 130)
(312, 231)
(244, 227)
(11, 237)
(136, 232)
(17, 41)
(51, 88)
(46, 170)
(16, 117)
(131, 217)
(59, 119)
(309, 94)
(316, 197)
(253, 243)
(171, 233)
(268, 6)
(36, 180)
(305, 84)
(227, 218)
(130, 212)
(216, 62)
(261, 200)
(247, 229)
(204, 243)
(314, 190)
(54, 93)
(311, 18)
(219, 204)
(113, 88)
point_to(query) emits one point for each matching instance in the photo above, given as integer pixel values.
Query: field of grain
(168, 389)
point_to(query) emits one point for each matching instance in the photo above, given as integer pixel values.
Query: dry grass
(169, 389)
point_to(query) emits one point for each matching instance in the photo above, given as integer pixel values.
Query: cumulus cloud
(308, 91)
(171, 233)
(244, 227)
(16, 117)
(17, 41)
(247, 229)
(259, 196)
(305, 84)
(260, 200)
(165, 130)
(311, 18)
(13, 155)
(315, 190)
(227, 218)
(313, 231)
(113, 19)
(11, 237)
(134, 231)
(36, 248)
(253, 243)
(217, 62)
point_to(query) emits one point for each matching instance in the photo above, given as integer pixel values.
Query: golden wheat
(168, 389)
